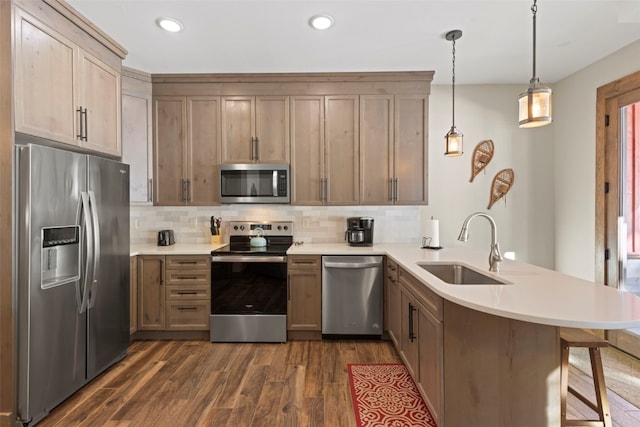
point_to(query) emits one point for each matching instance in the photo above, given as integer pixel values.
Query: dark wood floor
(196, 383)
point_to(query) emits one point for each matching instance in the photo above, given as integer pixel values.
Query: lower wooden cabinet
(174, 292)
(304, 295)
(151, 312)
(421, 341)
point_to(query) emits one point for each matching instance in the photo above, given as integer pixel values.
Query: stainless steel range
(249, 283)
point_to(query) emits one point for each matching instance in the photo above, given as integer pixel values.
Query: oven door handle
(248, 258)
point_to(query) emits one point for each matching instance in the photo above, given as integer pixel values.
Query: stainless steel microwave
(254, 183)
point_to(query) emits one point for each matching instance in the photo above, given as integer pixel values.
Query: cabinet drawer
(178, 262)
(304, 262)
(424, 295)
(188, 277)
(179, 293)
(191, 315)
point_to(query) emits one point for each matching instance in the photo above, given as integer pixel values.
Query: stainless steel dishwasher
(352, 295)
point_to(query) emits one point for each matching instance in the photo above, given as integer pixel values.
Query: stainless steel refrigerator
(72, 282)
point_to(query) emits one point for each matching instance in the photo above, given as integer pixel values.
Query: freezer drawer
(352, 295)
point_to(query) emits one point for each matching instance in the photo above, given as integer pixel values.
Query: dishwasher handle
(352, 265)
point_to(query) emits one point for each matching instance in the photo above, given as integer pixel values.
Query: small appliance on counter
(165, 238)
(359, 231)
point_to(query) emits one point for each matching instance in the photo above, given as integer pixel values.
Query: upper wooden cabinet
(350, 138)
(137, 135)
(255, 129)
(393, 149)
(186, 144)
(410, 149)
(64, 92)
(324, 150)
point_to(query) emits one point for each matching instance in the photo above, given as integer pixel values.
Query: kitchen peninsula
(492, 351)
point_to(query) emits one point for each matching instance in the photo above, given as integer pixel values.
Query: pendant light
(535, 103)
(453, 138)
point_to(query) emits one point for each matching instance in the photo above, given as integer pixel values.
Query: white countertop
(535, 294)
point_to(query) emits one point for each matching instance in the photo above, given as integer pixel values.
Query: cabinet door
(137, 148)
(44, 70)
(170, 117)
(411, 149)
(304, 304)
(394, 305)
(430, 348)
(307, 150)
(409, 336)
(272, 129)
(151, 298)
(376, 149)
(203, 146)
(238, 129)
(133, 294)
(341, 149)
(99, 92)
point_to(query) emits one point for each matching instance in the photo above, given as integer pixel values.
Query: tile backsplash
(319, 224)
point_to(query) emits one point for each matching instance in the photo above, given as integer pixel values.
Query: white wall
(525, 222)
(574, 150)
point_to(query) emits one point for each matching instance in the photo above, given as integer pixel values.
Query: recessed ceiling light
(170, 24)
(321, 22)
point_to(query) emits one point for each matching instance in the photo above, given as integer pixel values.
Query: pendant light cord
(453, 85)
(534, 10)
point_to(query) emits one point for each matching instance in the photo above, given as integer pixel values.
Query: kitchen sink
(458, 274)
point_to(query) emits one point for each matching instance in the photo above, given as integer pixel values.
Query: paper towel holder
(426, 244)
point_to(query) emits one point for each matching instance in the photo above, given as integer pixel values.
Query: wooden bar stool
(579, 338)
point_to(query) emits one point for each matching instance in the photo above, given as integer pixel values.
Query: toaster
(165, 238)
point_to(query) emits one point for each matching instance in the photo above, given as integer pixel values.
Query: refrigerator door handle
(96, 252)
(88, 227)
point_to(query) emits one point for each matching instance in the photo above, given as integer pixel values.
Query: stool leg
(602, 399)
(564, 384)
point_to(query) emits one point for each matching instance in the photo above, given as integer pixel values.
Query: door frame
(605, 94)
(607, 184)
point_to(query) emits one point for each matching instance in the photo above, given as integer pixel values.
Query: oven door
(248, 298)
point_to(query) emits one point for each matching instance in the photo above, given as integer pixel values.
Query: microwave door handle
(275, 183)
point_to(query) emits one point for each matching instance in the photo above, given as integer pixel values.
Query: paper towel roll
(433, 233)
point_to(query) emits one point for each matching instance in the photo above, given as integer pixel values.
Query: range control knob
(242, 228)
(279, 227)
(235, 227)
(286, 227)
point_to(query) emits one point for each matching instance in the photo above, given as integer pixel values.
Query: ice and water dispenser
(60, 254)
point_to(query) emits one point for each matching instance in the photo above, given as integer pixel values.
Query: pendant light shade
(534, 105)
(453, 142)
(453, 138)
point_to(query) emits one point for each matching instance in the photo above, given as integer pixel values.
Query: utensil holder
(216, 239)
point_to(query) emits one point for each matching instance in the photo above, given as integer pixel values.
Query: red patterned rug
(385, 395)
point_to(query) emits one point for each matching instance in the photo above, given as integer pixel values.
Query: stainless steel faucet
(494, 255)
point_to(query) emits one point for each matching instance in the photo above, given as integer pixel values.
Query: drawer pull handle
(187, 308)
(187, 277)
(187, 293)
(304, 262)
(187, 262)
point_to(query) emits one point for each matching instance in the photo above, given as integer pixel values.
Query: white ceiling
(238, 36)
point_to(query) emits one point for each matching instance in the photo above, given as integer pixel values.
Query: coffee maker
(359, 231)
